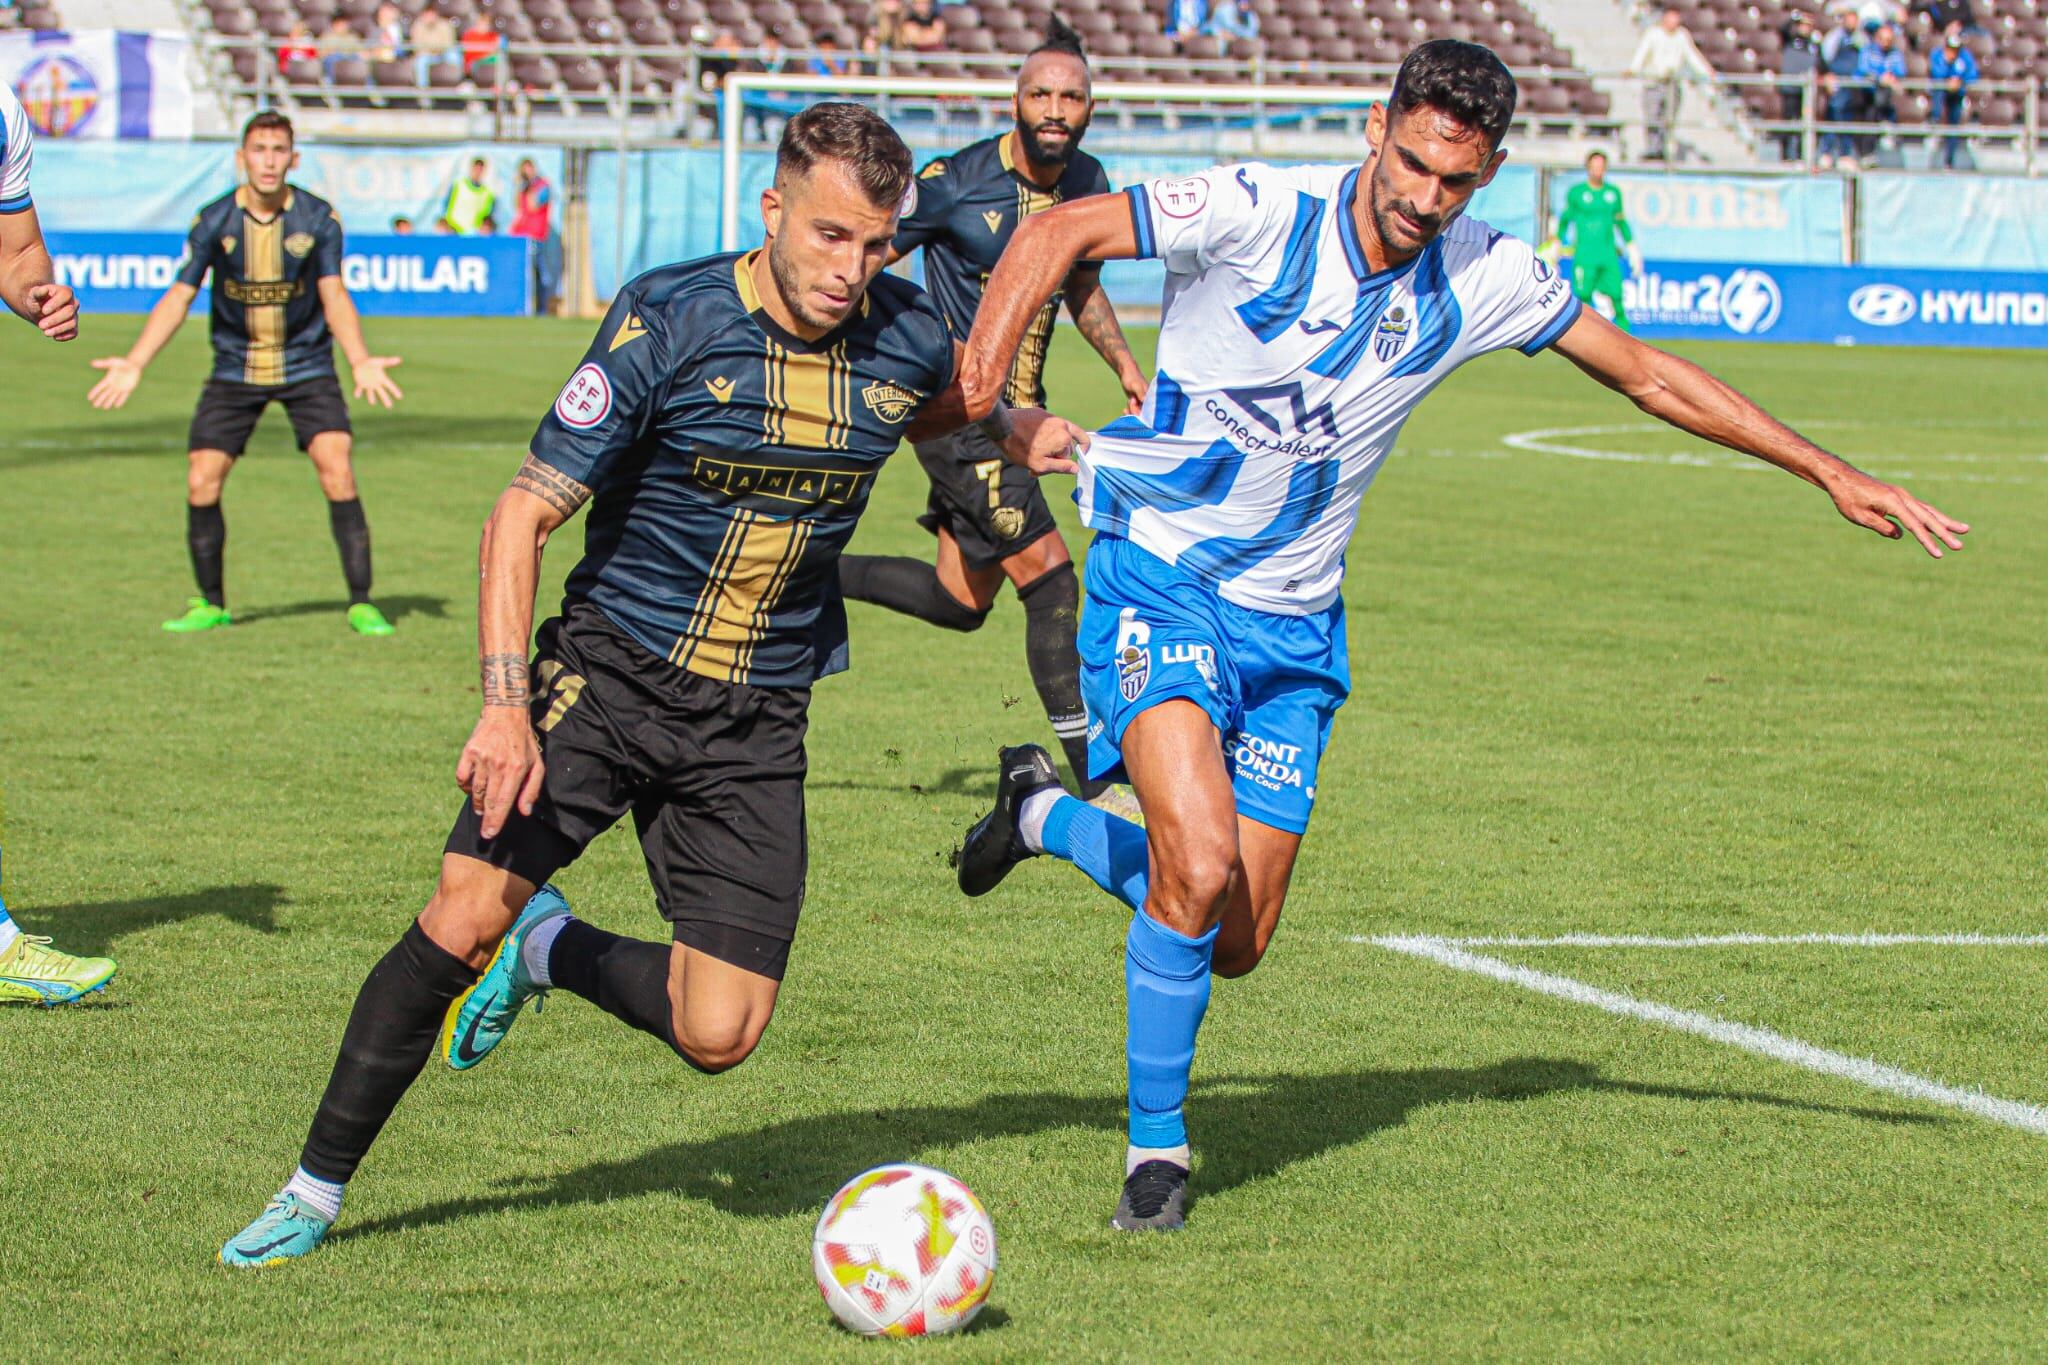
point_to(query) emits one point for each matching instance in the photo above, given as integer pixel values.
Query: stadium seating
(1303, 42)
(1746, 37)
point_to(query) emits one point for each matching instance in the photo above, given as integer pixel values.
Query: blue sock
(1110, 850)
(1166, 988)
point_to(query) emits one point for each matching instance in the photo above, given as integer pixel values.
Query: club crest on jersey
(1006, 522)
(1392, 333)
(227, 244)
(299, 244)
(890, 402)
(1133, 671)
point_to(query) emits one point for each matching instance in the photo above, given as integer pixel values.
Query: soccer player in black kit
(278, 308)
(989, 515)
(725, 427)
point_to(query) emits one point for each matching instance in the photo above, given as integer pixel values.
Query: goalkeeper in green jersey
(1594, 231)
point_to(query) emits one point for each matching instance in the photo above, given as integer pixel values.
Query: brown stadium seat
(304, 72)
(445, 76)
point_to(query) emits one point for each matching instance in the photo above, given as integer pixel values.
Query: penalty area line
(1760, 1041)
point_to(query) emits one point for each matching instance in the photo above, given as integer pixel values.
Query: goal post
(739, 85)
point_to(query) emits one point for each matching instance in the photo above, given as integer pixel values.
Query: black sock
(206, 535)
(389, 1037)
(910, 586)
(626, 977)
(352, 537)
(1052, 602)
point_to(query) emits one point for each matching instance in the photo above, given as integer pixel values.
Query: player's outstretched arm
(501, 766)
(1095, 318)
(1681, 393)
(124, 372)
(1037, 262)
(368, 371)
(28, 281)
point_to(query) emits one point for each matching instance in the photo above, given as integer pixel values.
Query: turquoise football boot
(284, 1231)
(481, 1016)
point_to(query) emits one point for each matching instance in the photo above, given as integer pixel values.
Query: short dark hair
(854, 134)
(1461, 79)
(264, 119)
(1062, 37)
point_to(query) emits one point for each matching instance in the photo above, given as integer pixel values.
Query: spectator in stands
(433, 42)
(885, 27)
(1840, 53)
(1185, 20)
(470, 201)
(1955, 66)
(401, 226)
(387, 40)
(1665, 58)
(827, 60)
(296, 46)
(340, 41)
(1942, 13)
(1230, 19)
(481, 48)
(1883, 66)
(1799, 57)
(924, 28)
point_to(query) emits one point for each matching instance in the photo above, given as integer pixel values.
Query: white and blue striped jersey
(1286, 368)
(20, 151)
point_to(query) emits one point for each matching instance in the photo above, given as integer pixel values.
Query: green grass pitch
(1606, 682)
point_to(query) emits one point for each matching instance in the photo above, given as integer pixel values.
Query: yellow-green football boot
(34, 972)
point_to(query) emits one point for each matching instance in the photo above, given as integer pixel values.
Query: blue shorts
(1272, 684)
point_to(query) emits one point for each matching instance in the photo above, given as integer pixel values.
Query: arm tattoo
(505, 680)
(551, 486)
(1096, 320)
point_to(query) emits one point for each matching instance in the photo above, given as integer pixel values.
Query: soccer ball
(904, 1251)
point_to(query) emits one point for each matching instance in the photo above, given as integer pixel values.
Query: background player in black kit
(989, 515)
(725, 426)
(278, 307)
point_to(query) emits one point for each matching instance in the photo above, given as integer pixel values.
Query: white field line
(1746, 941)
(1763, 1042)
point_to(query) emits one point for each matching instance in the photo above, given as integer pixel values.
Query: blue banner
(126, 272)
(1961, 222)
(1837, 305)
(1778, 221)
(160, 185)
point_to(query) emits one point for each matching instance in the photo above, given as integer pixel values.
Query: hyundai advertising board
(1703, 301)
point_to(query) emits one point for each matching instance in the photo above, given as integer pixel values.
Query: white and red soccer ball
(904, 1251)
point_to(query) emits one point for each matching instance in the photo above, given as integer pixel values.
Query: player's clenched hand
(1134, 392)
(500, 767)
(120, 379)
(372, 383)
(1893, 512)
(56, 310)
(1043, 443)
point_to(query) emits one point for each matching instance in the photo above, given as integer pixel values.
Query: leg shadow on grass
(90, 929)
(1246, 1128)
(395, 608)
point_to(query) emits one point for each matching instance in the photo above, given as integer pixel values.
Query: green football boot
(365, 619)
(481, 1016)
(200, 614)
(31, 970)
(284, 1231)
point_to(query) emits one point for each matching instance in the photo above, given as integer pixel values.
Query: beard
(1395, 234)
(790, 285)
(1053, 154)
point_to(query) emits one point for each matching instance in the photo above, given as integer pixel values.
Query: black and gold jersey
(968, 207)
(268, 325)
(729, 459)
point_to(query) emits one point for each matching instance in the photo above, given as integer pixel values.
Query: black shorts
(713, 773)
(993, 508)
(228, 410)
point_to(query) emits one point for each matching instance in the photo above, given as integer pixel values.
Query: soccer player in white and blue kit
(30, 969)
(1307, 311)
